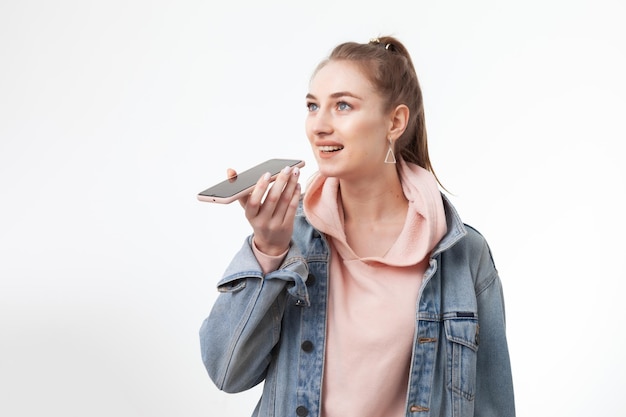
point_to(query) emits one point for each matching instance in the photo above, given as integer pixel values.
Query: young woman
(367, 296)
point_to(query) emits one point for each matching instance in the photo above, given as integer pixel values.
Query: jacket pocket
(462, 336)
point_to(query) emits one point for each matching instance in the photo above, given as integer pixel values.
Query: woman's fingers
(279, 196)
(290, 213)
(278, 199)
(253, 204)
(285, 200)
(231, 174)
(271, 210)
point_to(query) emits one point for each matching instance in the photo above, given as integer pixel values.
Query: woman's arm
(244, 324)
(494, 384)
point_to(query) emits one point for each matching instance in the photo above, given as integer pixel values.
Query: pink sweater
(372, 301)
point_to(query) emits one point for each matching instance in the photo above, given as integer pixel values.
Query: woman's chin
(328, 170)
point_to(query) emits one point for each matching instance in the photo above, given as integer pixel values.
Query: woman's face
(346, 123)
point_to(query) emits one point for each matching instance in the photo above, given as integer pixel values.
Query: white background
(113, 115)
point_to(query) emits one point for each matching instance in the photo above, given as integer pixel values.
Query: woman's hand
(272, 217)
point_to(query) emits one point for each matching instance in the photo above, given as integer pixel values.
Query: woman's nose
(320, 123)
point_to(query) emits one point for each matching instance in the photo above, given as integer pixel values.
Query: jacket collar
(456, 228)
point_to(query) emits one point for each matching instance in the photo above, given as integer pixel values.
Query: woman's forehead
(340, 75)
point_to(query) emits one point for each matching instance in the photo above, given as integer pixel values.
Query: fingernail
(267, 176)
(296, 171)
(286, 169)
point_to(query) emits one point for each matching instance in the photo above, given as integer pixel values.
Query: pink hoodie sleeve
(268, 263)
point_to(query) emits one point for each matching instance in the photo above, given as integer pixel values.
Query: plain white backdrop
(113, 115)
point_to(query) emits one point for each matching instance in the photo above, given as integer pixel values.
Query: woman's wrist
(269, 250)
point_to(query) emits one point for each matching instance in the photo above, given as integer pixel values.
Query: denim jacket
(272, 328)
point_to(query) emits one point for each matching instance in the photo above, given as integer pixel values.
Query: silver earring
(390, 158)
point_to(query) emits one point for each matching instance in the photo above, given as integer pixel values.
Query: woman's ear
(399, 119)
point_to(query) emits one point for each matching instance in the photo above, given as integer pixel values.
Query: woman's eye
(311, 106)
(342, 105)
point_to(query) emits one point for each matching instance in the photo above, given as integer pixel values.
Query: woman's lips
(329, 148)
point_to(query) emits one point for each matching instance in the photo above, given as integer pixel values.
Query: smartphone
(234, 188)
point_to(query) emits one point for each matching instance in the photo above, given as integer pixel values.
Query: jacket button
(302, 411)
(307, 346)
(310, 280)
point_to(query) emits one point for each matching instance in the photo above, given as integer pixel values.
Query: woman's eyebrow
(336, 95)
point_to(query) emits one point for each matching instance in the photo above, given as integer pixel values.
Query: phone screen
(228, 190)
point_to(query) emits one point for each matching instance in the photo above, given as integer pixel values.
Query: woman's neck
(377, 199)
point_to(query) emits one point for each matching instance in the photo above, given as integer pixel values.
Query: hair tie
(388, 46)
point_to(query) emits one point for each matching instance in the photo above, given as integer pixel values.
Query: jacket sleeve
(244, 324)
(494, 384)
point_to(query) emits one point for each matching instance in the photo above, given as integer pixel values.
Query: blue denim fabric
(272, 328)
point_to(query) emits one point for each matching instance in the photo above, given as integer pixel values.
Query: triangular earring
(390, 158)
